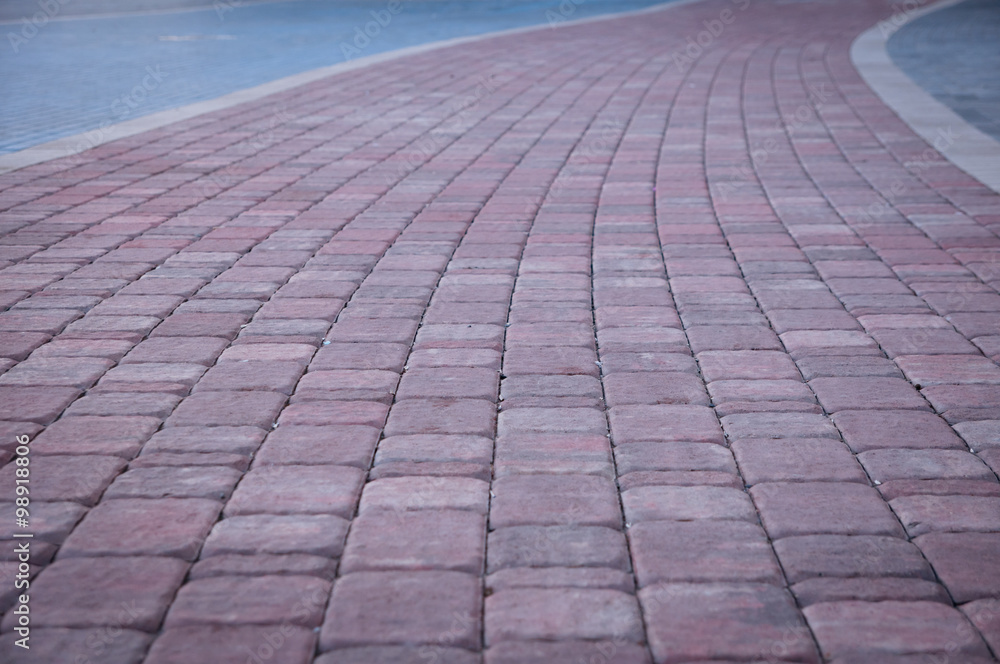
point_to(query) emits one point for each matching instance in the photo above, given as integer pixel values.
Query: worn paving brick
(369, 608)
(424, 539)
(857, 630)
(165, 527)
(297, 490)
(702, 622)
(545, 613)
(844, 508)
(236, 600)
(233, 644)
(108, 591)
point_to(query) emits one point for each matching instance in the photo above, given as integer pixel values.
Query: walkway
(509, 353)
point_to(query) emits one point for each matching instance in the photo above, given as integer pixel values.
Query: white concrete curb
(970, 149)
(71, 145)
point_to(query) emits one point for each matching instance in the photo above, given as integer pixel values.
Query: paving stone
(439, 448)
(559, 453)
(871, 430)
(796, 459)
(228, 409)
(836, 394)
(60, 645)
(549, 500)
(167, 527)
(718, 622)
(416, 540)
(36, 404)
(418, 493)
(894, 464)
(638, 457)
(885, 589)
(949, 369)
(313, 534)
(130, 592)
(547, 613)
(923, 342)
(855, 630)
(79, 479)
(333, 413)
(556, 546)
(654, 388)
(702, 552)
(929, 513)
(297, 490)
(264, 564)
(198, 439)
(842, 556)
(235, 376)
(630, 424)
(223, 644)
(400, 655)
(453, 416)
(848, 366)
(967, 563)
(686, 503)
(347, 385)
(113, 436)
(107, 404)
(402, 608)
(79, 372)
(841, 508)
(240, 600)
(560, 577)
(985, 615)
(539, 652)
(984, 434)
(345, 445)
(169, 481)
(197, 350)
(778, 425)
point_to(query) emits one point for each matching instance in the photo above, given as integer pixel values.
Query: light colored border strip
(71, 145)
(970, 149)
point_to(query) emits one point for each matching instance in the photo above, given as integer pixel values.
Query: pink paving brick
(110, 591)
(416, 540)
(264, 600)
(541, 614)
(845, 508)
(233, 645)
(403, 608)
(168, 527)
(858, 630)
(699, 622)
(297, 490)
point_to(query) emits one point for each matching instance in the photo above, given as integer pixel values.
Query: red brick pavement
(509, 353)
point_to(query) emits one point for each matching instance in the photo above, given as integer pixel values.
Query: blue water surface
(76, 75)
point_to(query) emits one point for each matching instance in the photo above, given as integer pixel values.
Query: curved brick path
(510, 349)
